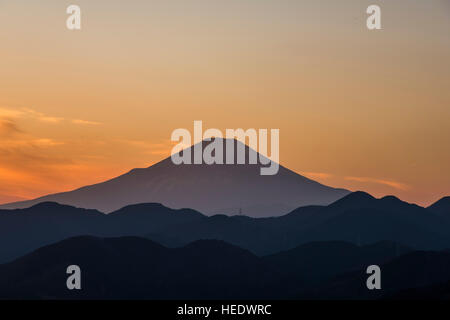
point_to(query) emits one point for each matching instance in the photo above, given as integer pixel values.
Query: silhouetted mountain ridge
(399, 276)
(441, 207)
(210, 189)
(357, 218)
(316, 262)
(137, 268)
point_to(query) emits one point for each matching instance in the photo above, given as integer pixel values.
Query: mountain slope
(399, 277)
(357, 218)
(360, 218)
(209, 189)
(136, 268)
(316, 262)
(441, 207)
(24, 230)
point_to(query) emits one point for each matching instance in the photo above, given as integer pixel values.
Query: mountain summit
(227, 188)
(441, 207)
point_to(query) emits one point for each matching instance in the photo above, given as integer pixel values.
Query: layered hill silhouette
(357, 218)
(24, 230)
(441, 207)
(314, 263)
(414, 275)
(136, 268)
(210, 189)
(436, 291)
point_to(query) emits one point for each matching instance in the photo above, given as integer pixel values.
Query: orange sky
(358, 109)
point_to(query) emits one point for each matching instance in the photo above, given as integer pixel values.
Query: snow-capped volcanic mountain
(211, 189)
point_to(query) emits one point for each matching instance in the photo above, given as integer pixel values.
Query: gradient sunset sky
(358, 109)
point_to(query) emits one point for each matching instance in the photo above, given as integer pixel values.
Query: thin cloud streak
(86, 122)
(40, 116)
(390, 183)
(8, 127)
(317, 175)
